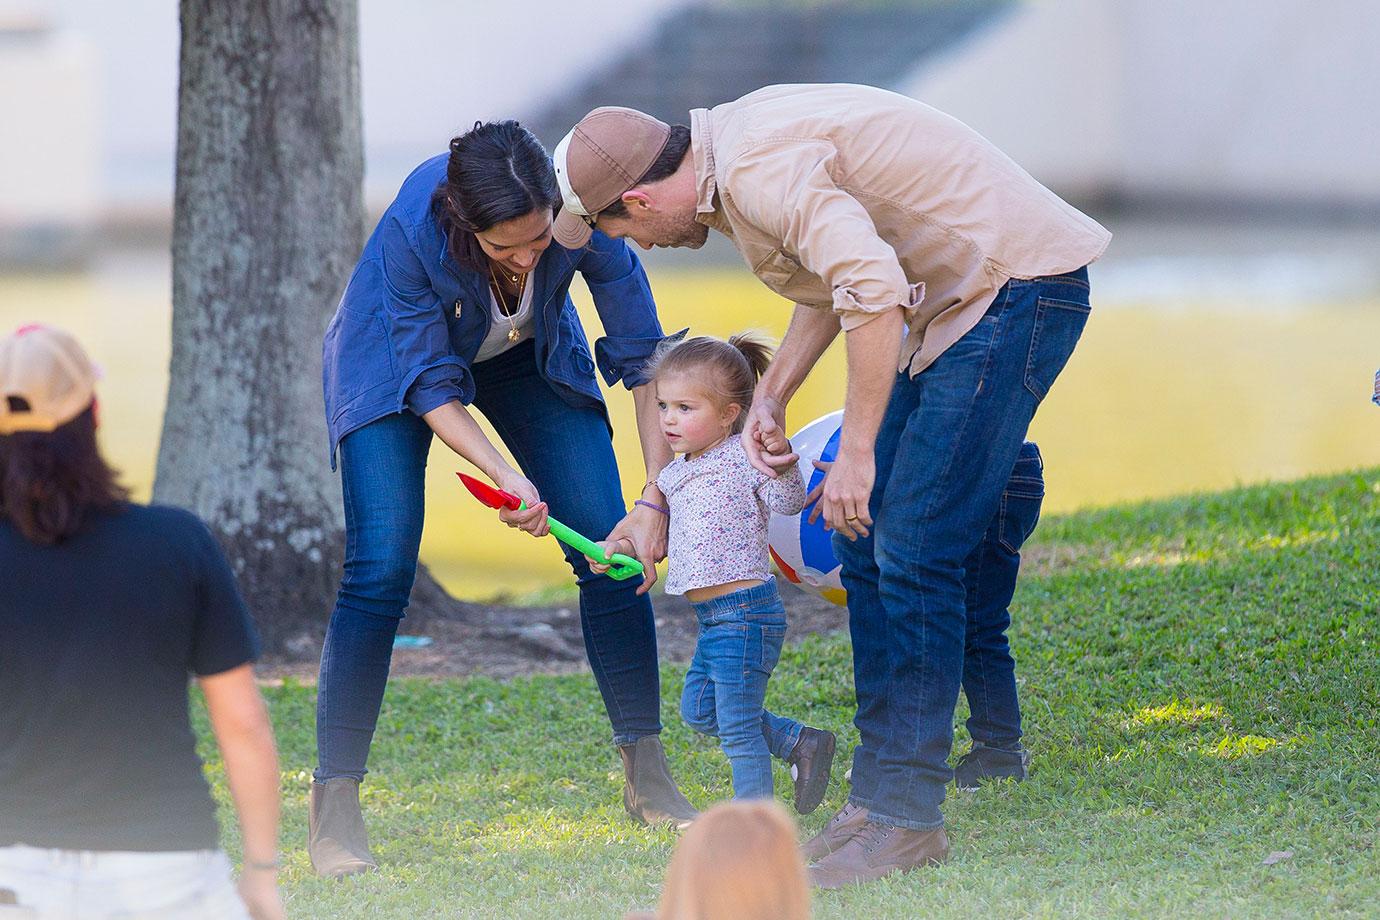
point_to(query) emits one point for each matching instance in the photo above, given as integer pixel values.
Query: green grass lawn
(1201, 690)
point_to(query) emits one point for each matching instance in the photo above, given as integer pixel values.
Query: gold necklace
(509, 312)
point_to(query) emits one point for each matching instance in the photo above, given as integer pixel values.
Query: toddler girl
(719, 508)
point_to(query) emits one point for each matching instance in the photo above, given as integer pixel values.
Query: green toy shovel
(623, 566)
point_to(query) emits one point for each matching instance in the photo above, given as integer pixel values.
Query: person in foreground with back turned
(107, 607)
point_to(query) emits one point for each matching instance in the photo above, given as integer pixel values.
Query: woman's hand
(259, 890)
(647, 528)
(531, 519)
(610, 546)
(643, 532)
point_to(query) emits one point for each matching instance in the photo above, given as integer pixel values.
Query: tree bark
(268, 221)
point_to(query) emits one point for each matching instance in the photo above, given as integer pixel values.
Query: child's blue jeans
(740, 642)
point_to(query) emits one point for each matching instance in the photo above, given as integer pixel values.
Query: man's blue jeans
(989, 671)
(739, 644)
(945, 454)
(568, 455)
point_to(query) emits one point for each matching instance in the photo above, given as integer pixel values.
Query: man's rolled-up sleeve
(623, 297)
(432, 374)
(785, 188)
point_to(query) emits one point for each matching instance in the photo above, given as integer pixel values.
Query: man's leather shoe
(811, 760)
(836, 833)
(879, 850)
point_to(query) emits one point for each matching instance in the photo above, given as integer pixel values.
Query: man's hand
(847, 487)
(764, 436)
(532, 519)
(844, 495)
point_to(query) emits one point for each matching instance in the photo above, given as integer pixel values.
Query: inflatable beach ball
(803, 551)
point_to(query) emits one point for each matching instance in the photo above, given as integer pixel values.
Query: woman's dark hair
(498, 170)
(667, 162)
(50, 482)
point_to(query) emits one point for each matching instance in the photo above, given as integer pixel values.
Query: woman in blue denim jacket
(461, 299)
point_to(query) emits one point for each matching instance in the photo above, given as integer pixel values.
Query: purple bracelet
(665, 511)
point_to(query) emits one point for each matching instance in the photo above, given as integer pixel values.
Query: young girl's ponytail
(756, 349)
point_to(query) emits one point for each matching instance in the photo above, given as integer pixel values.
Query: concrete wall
(1180, 97)
(1221, 100)
(1056, 113)
(429, 68)
(50, 159)
(1262, 99)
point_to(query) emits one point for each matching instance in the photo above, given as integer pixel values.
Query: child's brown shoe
(811, 760)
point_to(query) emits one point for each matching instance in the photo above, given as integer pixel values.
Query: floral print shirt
(720, 506)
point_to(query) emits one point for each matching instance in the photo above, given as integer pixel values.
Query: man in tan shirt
(960, 284)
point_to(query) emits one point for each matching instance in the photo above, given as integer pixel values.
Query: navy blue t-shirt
(98, 637)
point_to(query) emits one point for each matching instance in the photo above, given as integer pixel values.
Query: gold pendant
(513, 335)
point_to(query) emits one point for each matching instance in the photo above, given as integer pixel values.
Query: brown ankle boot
(878, 850)
(336, 840)
(649, 793)
(836, 833)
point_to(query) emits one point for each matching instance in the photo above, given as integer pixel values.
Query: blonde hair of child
(728, 371)
(739, 861)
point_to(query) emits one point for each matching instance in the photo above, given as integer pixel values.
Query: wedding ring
(853, 518)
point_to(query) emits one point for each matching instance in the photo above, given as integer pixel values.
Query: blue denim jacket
(396, 343)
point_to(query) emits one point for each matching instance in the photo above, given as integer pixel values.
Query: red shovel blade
(494, 498)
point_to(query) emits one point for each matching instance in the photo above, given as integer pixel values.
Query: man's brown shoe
(878, 850)
(336, 840)
(836, 833)
(811, 760)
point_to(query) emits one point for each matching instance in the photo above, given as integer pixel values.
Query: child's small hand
(774, 440)
(776, 450)
(610, 547)
(766, 421)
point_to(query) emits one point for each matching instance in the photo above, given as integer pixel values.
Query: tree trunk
(268, 222)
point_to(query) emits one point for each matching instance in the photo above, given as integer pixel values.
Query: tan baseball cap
(603, 156)
(46, 379)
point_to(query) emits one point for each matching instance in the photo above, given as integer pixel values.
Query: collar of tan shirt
(706, 185)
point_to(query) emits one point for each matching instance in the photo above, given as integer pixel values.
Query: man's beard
(692, 237)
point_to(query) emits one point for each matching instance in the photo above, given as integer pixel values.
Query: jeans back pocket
(1022, 499)
(1058, 325)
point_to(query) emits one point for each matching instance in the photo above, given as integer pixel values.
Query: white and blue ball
(804, 552)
